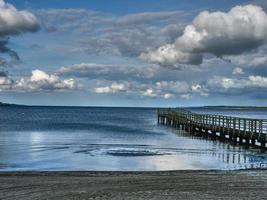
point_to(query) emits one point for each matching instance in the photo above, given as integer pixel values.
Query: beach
(243, 184)
(120, 153)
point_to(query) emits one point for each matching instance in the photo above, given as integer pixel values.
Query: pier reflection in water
(235, 156)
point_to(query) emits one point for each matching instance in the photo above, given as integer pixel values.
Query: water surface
(121, 139)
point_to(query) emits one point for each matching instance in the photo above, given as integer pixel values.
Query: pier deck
(236, 130)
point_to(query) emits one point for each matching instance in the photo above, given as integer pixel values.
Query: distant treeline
(236, 107)
(8, 104)
(198, 107)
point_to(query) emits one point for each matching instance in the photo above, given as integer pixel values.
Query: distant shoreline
(232, 107)
(191, 107)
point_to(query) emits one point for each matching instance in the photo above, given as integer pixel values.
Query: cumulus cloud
(232, 83)
(168, 96)
(242, 29)
(262, 3)
(149, 92)
(258, 61)
(5, 83)
(169, 56)
(14, 22)
(238, 71)
(165, 89)
(115, 87)
(160, 89)
(258, 81)
(200, 89)
(39, 80)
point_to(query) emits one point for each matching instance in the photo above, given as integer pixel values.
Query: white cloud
(258, 61)
(166, 89)
(242, 29)
(150, 92)
(168, 96)
(5, 83)
(238, 71)
(197, 88)
(225, 83)
(162, 89)
(115, 87)
(39, 80)
(258, 81)
(231, 83)
(14, 22)
(168, 55)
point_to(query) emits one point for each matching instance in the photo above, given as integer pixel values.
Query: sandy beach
(134, 185)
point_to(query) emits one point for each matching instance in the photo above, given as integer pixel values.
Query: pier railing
(247, 127)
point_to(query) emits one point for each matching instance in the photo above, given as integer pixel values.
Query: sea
(113, 139)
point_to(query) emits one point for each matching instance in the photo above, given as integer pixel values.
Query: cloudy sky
(123, 53)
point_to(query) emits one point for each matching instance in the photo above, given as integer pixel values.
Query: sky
(153, 53)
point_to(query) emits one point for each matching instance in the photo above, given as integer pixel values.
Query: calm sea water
(76, 138)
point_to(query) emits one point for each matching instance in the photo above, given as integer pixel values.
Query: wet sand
(134, 185)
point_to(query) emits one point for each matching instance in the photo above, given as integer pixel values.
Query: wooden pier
(236, 130)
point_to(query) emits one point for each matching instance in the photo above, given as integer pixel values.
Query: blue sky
(128, 6)
(123, 53)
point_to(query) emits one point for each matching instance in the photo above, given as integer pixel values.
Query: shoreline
(186, 184)
(68, 172)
